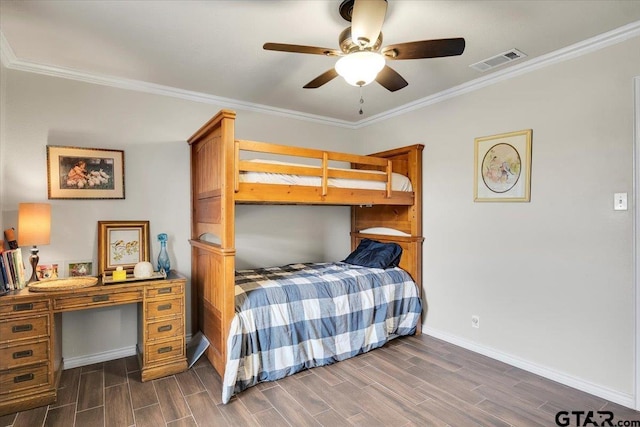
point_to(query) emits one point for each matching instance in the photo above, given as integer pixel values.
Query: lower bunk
(300, 316)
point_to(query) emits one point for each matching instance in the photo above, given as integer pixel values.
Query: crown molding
(10, 61)
(7, 57)
(578, 49)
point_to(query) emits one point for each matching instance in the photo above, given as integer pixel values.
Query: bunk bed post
(408, 219)
(415, 166)
(213, 210)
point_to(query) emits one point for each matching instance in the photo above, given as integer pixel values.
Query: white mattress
(398, 182)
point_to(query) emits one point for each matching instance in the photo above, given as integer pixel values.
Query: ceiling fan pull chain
(361, 101)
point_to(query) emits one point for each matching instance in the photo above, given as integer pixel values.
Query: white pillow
(210, 238)
(384, 231)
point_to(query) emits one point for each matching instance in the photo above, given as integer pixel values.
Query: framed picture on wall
(122, 244)
(502, 167)
(85, 173)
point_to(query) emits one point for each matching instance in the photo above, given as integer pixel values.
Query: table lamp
(34, 228)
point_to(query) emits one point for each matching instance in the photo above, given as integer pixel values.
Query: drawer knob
(164, 307)
(23, 378)
(22, 328)
(22, 354)
(164, 290)
(100, 298)
(164, 328)
(165, 349)
(23, 307)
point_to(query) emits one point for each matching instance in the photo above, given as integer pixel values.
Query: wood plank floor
(412, 381)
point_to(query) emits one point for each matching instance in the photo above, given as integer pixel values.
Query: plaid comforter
(304, 315)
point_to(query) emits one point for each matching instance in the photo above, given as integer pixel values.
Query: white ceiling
(213, 49)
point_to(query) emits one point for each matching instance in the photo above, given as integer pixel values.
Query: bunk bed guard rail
(324, 172)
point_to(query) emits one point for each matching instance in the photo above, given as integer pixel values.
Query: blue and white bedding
(304, 315)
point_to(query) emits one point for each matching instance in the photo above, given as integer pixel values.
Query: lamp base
(33, 260)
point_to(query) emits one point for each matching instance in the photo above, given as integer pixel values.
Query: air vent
(498, 60)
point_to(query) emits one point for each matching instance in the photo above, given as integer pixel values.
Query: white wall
(552, 280)
(152, 130)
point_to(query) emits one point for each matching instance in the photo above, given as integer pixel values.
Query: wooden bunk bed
(217, 166)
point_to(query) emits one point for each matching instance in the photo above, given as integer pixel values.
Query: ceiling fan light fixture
(360, 68)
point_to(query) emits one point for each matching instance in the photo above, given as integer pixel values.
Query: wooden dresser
(31, 325)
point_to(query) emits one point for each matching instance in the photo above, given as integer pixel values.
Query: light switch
(620, 201)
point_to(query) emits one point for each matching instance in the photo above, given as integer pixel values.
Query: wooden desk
(31, 325)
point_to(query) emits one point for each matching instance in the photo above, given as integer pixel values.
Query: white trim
(578, 49)
(636, 232)
(156, 89)
(577, 383)
(598, 42)
(74, 362)
(7, 57)
(105, 356)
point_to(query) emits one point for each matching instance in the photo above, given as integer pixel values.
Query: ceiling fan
(362, 60)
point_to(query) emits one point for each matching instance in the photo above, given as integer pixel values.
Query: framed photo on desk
(122, 244)
(80, 268)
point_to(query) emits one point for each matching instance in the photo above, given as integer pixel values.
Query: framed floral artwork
(84, 173)
(502, 167)
(122, 244)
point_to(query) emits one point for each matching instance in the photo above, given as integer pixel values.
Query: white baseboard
(74, 362)
(84, 360)
(568, 380)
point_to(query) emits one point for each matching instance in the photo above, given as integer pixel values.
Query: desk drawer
(171, 289)
(157, 352)
(165, 307)
(21, 308)
(165, 328)
(24, 328)
(97, 299)
(24, 354)
(24, 378)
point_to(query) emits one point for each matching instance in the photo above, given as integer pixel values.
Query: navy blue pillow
(374, 254)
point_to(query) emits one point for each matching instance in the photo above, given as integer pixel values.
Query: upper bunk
(222, 168)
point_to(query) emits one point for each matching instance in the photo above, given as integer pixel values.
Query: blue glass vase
(163, 257)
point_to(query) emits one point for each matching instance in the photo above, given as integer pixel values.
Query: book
(7, 259)
(21, 279)
(4, 286)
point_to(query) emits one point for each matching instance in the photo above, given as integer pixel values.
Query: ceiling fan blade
(390, 79)
(323, 78)
(294, 48)
(366, 21)
(425, 49)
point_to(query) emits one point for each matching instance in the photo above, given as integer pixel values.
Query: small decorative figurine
(163, 257)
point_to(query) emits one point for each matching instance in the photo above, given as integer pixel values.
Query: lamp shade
(360, 68)
(34, 224)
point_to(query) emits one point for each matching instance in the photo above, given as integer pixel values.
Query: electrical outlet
(475, 321)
